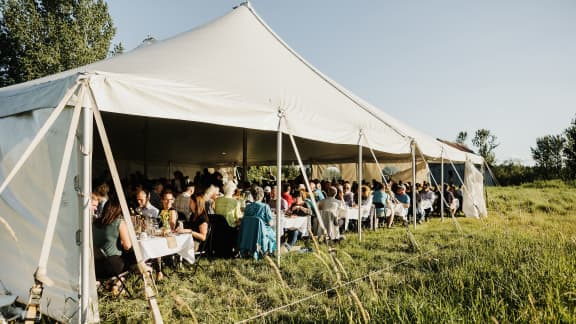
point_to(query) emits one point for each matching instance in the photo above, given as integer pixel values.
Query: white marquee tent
(211, 82)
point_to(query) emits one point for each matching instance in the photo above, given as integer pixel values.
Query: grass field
(518, 265)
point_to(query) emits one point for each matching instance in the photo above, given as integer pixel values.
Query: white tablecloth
(156, 247)
(352, 214)
(299, 223)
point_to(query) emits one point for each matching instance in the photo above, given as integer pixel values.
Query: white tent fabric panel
(24, 209)
(348, 171)
(233, 71)
(474, 204)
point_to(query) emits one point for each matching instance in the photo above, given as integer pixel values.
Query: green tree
(486, 142)
(259, 173)
(548, 156)
(462, 137)
(43, 37)
(513, 173)
(570, 150)
(117, 50)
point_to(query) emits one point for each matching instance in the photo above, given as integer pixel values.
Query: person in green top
(107, 230)
(229, 207)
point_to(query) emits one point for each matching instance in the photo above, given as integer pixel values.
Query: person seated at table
(198, 220)
(403, 200)
(107, 231)
(272, 201)
(286, 193)
(182, 202)
(348, 194)
(427, 201)
(331, 207)
(390, 205)
(260, 210)
(340, 193)
(210, 195)
(144, 206)
(298, 208)
(381, 202)
(229, 207)
(315, 187)
(94, 201)
(101, 191)
(168, 215)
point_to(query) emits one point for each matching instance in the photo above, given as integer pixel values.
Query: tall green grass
(517, 265)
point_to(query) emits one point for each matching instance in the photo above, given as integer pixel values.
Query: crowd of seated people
(194, 201)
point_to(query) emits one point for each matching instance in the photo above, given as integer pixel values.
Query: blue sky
(441, 66)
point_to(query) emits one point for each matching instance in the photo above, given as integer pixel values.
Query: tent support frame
(442, 198)
(414, 193)
(39, 136)
(86, 151)
(278, 183)
(32, 313)
(146, 275)
(307, 183)
(360, 176)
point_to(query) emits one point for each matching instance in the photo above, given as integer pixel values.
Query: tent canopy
(200, 90)
(234, 71)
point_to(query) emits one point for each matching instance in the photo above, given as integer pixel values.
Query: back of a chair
(330, 221)
(251, 237)
(223, 237)
(205, 245)
(366, 210)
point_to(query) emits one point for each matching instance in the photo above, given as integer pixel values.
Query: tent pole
(40, 276)
(245, 153)
(278, 183)
(374, 223)
(59, 190)
(146, 275)
(414, 193)
(431, 175)
(39, 136)
(442, 186)
(377, 163)
(483, 170)
(307, 183)
(86, 210)
(360, 186)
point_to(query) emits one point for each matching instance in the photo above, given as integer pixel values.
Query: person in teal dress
(256, 235)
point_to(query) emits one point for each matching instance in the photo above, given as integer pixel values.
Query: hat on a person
(267, 189)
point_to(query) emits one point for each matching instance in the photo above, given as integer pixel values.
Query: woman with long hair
(198, 219)
(107, 230)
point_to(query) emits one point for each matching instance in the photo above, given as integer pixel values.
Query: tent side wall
(25, 206)
(347, 171)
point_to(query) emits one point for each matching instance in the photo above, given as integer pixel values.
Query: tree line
(43, 37)
(554, 157)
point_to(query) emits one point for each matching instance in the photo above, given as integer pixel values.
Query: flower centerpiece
(165, 217)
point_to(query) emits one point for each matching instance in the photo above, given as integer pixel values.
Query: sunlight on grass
(517, 265)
